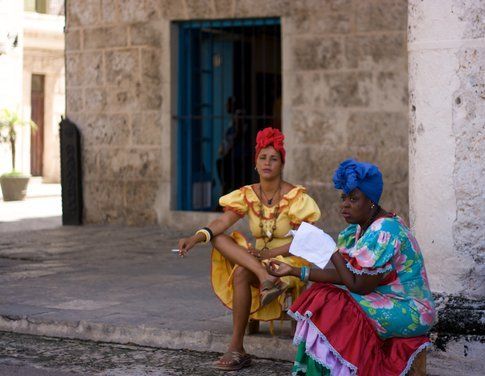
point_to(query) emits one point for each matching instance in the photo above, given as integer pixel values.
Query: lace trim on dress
(296, 341)
(412, 357)
(376, 271)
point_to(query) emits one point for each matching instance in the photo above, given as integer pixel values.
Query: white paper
(312, 244)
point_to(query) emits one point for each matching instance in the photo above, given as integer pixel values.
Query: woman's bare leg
(239, 255)
(241, 307)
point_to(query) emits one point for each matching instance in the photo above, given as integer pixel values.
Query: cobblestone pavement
(34, 355)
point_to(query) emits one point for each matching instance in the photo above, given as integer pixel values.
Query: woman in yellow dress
(239, 277)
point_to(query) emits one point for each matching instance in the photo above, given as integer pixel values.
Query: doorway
(37, 98)
(229, 87)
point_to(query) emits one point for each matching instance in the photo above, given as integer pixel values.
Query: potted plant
(14, 183)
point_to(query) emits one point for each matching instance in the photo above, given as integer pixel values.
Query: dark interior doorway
(37, 100)
(229, 88)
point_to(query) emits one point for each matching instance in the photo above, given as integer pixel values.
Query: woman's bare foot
(271, 290)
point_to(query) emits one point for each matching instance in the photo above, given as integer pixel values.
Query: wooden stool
(252, 327)
(418, 367)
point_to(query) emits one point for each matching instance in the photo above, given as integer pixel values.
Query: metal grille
(229, 87)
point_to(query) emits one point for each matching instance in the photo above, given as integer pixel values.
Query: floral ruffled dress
(343, 333)
(295, 207)
(404, 306)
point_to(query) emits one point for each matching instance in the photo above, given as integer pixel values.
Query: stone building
(393, 82)
(32, 81)
(344, 84)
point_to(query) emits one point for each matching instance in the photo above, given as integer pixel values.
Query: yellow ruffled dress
(295, 207)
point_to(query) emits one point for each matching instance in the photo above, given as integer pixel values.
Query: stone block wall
(114, 95)
(345, 81)
(344, 95)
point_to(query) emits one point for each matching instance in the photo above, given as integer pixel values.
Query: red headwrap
(271, 137)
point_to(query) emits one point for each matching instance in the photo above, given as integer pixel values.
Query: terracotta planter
(14, 188)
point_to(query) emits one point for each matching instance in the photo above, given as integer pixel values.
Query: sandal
(270, 291)
(237, 360)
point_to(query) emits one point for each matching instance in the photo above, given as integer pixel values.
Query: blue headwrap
(365, 176)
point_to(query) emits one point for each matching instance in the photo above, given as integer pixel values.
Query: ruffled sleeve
(373, 253)
(235, 202)
(303, 208)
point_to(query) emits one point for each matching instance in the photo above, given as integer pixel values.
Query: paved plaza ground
(41, 210)
(111, 283)
(116, 284)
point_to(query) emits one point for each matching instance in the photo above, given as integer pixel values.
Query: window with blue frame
(229, 87)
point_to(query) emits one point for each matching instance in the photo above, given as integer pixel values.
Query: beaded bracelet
(305, 273)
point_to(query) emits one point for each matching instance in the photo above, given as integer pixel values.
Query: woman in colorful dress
(369, 315)
(239, 278)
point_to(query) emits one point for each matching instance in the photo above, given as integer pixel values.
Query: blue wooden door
(208, 82)
(217, 88)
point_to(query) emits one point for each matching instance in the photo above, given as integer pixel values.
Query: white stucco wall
(10, 57)
(40, 51)
(44, 54)
(10, 66)
(446, 44)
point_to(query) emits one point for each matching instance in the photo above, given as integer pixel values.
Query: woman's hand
(186, 244)
(263, 254)
(280, 269)
(252, 251)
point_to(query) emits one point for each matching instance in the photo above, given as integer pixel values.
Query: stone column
(446, 44)
(446, 83)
